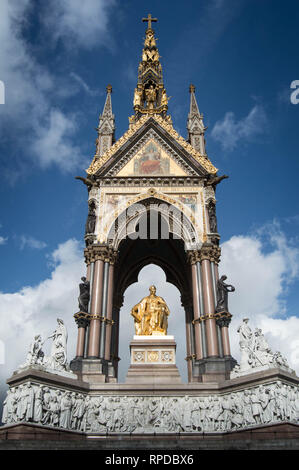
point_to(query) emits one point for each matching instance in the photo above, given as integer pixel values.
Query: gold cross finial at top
(149, 20)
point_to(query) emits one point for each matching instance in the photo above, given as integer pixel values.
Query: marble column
(95, 310)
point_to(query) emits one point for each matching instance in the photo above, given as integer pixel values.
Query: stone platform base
(25, 436)
(153, 360)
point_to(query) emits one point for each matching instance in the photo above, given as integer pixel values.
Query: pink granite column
(225, 340)
(224, 326)
(95, 309)
(188, 345)
(82, 324)
(81, 339)
(109, 313)
(209, 307)
(88, 272)
(196, 309)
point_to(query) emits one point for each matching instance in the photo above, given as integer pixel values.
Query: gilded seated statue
(151, 315)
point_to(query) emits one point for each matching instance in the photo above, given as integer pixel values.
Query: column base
(213, 369)
(92, 370)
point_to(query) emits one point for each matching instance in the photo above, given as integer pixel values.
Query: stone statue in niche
(150, 94)
(212, 217)
(83, 299)
(151, 315)
(91, 218)
(222, 294)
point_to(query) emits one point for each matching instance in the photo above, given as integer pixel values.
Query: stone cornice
(133, 181)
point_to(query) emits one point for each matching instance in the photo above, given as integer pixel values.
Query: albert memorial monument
(151, 200)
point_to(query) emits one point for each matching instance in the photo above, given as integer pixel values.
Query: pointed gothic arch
(177, 222)
(152, 273)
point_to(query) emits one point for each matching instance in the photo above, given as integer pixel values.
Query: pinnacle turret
(106, 127)
(150, 95)
(195, 125)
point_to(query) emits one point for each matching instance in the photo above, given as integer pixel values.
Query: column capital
(208, 251)
(82, 319)
(223, 318)
(100, 252)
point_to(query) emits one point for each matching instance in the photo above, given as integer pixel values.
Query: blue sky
(56, 59)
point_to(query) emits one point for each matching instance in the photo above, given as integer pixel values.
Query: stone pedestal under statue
(153, 360)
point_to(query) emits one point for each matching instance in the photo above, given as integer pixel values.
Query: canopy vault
(151, 199)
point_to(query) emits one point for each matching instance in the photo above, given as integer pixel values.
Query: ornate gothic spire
(195, 125)
(106, 127)
(150, 95)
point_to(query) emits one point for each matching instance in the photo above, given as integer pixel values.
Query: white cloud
(25, 81)
(30, 242)
(229, 132)
(53, 143)
(80, 23)
(34, 309)
(47, 131)
(83, 84)
(262, 274)
(3, 240)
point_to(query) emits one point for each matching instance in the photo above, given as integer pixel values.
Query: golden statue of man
(151, 315)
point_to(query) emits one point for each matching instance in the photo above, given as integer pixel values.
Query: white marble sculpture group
(255, 352)
(60, 407)
(57, 361)
(268, 403)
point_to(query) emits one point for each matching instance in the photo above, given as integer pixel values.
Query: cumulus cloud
(229, 131)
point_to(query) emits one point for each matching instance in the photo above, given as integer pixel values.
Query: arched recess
(148, 275)
(169, 253)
